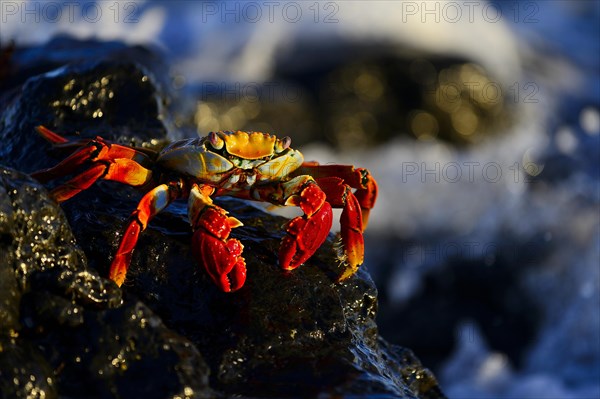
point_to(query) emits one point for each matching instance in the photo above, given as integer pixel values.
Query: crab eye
(215, 141)
(285, 143)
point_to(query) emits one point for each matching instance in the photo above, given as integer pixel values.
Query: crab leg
(340, 195)
(337, 182)
(104, 160)
(151, 203)
(211, 245)
(49, 135)
(93, 150)
(305, 234)
(358, 178)
(121, 170)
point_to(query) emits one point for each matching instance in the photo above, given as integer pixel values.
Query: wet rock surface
(64, 329)
(169, 332)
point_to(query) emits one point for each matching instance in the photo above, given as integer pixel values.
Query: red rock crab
(249, 165)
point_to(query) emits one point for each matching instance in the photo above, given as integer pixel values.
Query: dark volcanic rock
(169, 331)
(283, 334)
(64, 329)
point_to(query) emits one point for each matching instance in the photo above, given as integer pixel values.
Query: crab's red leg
(49, 135)
(220, 255)
(357, 178)
(121, 170)
(103, 159)
(151, 203)
(141, 155)
(68, 165)
(337, 182)
(93, 150)
(340, 195)
(305, 234)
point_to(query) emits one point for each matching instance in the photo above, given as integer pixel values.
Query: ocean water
(538, 178)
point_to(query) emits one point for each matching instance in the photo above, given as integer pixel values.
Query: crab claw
(304, 237)
(305, 234)
(220, 256)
